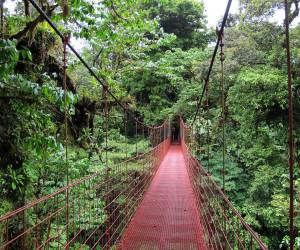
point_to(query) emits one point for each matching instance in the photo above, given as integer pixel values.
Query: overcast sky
(214, 10)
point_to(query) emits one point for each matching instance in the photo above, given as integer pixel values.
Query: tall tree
(184, 18)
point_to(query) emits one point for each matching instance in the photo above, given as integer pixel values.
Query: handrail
(95, 203)
(225, 198)
(77, 182)
(215, 190)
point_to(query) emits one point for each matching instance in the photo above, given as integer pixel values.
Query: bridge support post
(291, 125)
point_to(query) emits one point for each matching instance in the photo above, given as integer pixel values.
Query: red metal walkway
(167, 218)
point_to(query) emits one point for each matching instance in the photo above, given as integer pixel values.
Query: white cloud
(215, 10)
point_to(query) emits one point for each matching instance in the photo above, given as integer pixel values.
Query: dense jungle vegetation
(154, 56)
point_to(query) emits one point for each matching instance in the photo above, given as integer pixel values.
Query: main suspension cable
(100, 80)
(206, 81)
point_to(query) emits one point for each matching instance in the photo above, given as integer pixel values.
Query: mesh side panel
(167, 217)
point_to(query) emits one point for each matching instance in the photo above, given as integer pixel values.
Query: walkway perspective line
(167, 218)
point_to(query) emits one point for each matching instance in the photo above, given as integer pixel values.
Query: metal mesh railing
(89, 213)
(224, 227)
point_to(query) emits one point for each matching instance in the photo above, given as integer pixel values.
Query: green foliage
(153, 55)
(258, 92)
(258, 8)
(185, 19)
(9, 57)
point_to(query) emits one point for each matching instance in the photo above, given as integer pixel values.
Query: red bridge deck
(167, 218)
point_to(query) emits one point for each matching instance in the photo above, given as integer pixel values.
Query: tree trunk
(26, 8)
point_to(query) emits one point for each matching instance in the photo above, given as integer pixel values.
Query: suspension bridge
(159, 199)
(162, 199)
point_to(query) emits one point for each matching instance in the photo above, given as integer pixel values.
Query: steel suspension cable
(222, 59)
(207, 127)
(65, 41)
(291, 126)
(99, 79)
(106, 122)
(206, 81)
